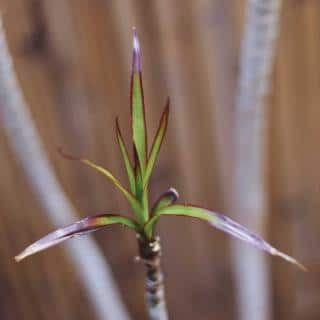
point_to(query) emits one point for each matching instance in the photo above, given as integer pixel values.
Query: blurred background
(72, 59)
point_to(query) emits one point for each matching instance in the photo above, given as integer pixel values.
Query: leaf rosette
(139, 172)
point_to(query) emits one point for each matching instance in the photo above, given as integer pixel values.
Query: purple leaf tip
(136, 61)
(174, 193)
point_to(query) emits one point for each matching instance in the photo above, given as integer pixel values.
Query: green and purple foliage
(144, 220)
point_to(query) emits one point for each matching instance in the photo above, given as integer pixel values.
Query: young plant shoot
(144, 220)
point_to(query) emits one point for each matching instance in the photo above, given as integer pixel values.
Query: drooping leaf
(223, 223)
(168, 198)
(81, 227)
(126, 159)
(156, 145)
(130, 197)
(139, 130)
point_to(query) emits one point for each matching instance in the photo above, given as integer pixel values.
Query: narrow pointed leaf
(132, 200)
(142, 197)
(139, 189)
(156, 145)
(81, 227)
(223, 223)
(139, 130)
(126, 159)
(166, 199)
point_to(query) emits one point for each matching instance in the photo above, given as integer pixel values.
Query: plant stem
(150, 254)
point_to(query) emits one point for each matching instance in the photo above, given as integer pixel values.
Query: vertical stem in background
(150, 253)
(249, 194)
(25, 141)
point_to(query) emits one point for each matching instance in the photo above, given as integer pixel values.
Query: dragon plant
(145, 219)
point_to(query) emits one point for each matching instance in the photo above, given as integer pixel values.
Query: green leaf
(139, 130)
(132, 200)
(81, 227)
(220, 222)
(156, 145)
(142, 197)
(126, 159)
(139, 189)
(166, 199)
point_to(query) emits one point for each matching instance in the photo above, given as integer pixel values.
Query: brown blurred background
(73, 62)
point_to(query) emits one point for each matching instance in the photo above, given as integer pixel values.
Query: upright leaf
(142, 197)
(223, 223)
(81, 227)
(126, 159)
(139, 131)
(156, 145)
